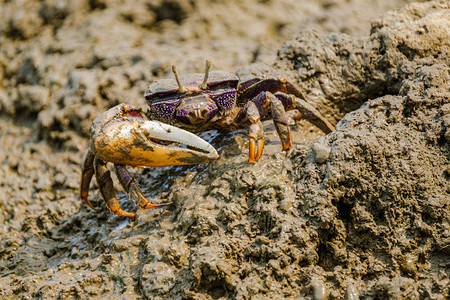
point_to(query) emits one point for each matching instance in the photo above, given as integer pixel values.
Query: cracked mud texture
(362, 212)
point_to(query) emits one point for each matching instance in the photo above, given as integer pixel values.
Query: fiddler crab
(126, 136)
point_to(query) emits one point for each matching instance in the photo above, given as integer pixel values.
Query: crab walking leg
(289, 95)
(251, 88)
(265, 103)
(307, 111)
(106, 187)
(131, 186)
(280, 121)
(87, 171)
(261, 105)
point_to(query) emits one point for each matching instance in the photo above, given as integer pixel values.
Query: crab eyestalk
(204, 85)
(181, 88)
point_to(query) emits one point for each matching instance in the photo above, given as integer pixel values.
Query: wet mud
(362, 212)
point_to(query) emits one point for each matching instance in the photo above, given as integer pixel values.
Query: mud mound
(361, 212)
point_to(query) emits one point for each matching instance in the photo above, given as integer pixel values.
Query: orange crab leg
(280, 121)
(106, 187)
(252, 112)
(256, 146)
(131, 186)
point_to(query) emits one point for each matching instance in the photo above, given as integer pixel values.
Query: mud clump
(360, 213)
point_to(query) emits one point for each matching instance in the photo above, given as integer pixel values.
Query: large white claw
(132, 139)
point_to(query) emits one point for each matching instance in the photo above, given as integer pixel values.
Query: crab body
(218, 99)
(196, 109)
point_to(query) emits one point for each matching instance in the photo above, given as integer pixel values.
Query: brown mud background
(362, 212)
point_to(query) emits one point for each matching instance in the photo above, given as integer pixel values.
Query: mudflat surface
(361, 212)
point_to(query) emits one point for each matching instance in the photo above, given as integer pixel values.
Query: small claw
(255, 153)
(256, 145)
(251, 151)
(260, 144)
(253, 156)
(132, 139)
(255, 133)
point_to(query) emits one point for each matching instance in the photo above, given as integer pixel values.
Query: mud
(360, 213)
